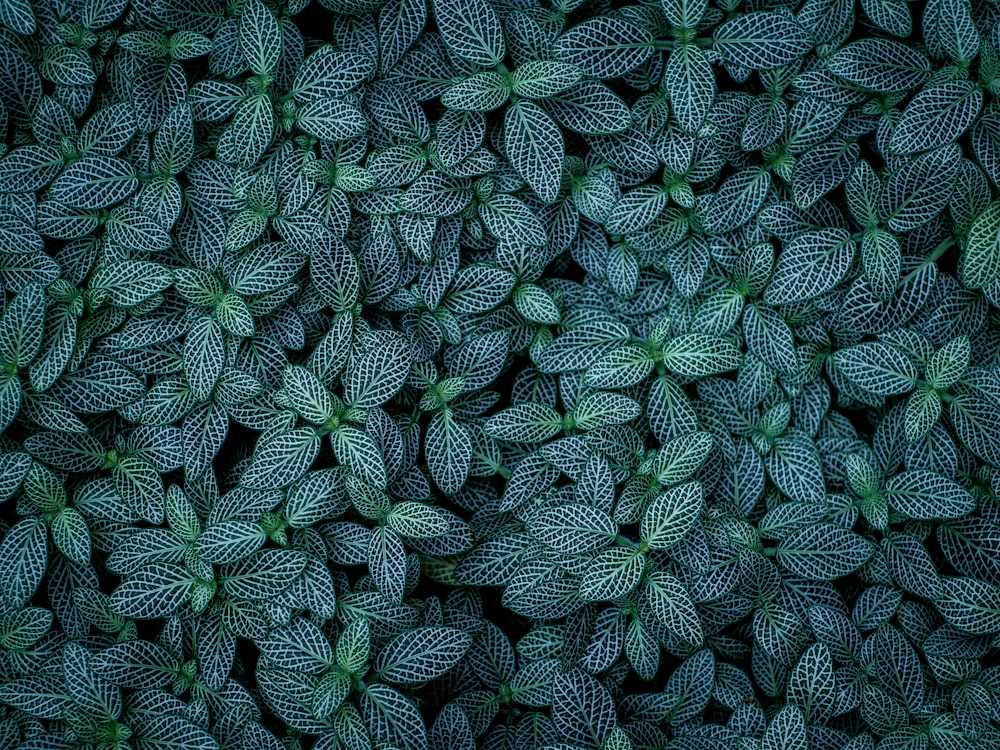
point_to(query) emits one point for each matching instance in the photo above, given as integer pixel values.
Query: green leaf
(481, 92)
(882, 65)
(534, 145)
(769, 337)
(21, 629)
(761, 41)
(265, 574)
(400, 24)
(335, 272)
(525, 423)
(696, 355)
(949, 363)
(810, 265)
(786, 731)
(822, 169)
(971, 605)
(153, 592)
(540, 79)
(876, 367)
(307, 395)
(204, 357)
(689, 81)
(673, 607)
(471, 30)
(128, 282)
(923, 409)
(605, 47)
(22, 327)
(422, 654)
(331, 120)
(387, 562)
(573, 527)
(823, 552)
(736, 201)
(353, 647)
(690, 687)
(260, 37)
(39, 695)
(620, 368)
(812, 686)
(508, 219)
(23, 559)
(535, 304)
(418, 520)
(919, 191)
(359, 452)
(10, 399)
(67, 66)
(681, 457)
(448, 450)
(71, 535)
(300, 646)
(392, 718)
(18, 16)
(613, 574)
(249, 133)
(281, 458)
(603, 409)
(329, 72)
(317, 496)
(94, 182)
(882, 260)
(100, 384)
(266, 268)
(582, 709)
(28, 168)
(589, 108)
(173, 732)
(580, 346)
(936, 116)
(136, 664)
(230, 541)
(671, 515)
(977, 424)
(140, 486)
(14, 467)
(684, 14)
(927, 496)
(980, 262)
(911, 565)
(637, 209)
(375, 376)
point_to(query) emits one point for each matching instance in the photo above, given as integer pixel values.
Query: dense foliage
(457, 374)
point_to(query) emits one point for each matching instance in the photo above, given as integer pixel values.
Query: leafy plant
(482, 374)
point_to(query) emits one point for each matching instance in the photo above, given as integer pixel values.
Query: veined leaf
(605, 47)
(422, 654)
(761, 41)
(471, 30)
(534, 145)
(671, 515)
(695, 355)
(877, 367)
(926, 495)
(823, 552)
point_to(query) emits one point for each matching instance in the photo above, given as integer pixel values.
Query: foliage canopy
(501, 374)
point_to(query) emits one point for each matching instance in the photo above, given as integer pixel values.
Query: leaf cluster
(501, 374)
